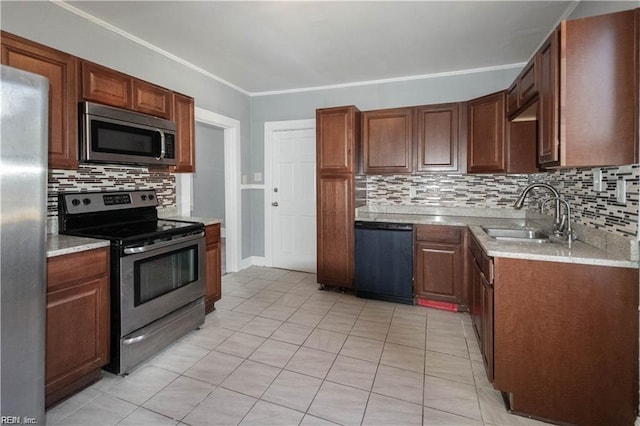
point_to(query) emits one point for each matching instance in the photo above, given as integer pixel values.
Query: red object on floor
(438, 305)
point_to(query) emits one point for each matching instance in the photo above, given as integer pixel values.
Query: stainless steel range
(157, 269)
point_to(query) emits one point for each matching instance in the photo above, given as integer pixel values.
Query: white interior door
(291, 198)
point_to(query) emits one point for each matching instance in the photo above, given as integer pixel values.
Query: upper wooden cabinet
(151, 99)
(582, 88)
(184, 116)
(387, 141)
(524, 88)
(106, 86)
(437, 138)
(548, 102)
(110, 87)
(486, 128)
(599, 90)
(337, 135)
(60, 69)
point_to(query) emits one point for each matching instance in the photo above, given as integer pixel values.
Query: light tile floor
(278, 351)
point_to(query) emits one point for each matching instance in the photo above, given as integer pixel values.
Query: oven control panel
(94, 202)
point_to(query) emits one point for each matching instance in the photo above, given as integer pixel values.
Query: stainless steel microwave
(117, 136)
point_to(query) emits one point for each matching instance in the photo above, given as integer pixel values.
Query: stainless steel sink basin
(525, 235)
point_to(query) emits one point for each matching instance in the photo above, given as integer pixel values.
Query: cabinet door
(437, 138)
(337, 136)
(184, 116)
(335, 230)
(106, 86)
(60, 69)
(214, 267)
(438, 272)
(599, 90)
(527, 83)
(387, 141)
(477, 299)
(486, 126)
(77, 321)
(487, 326)
(548, 105)
(151, 99)
(512, 99)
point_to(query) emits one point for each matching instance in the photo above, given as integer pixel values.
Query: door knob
(274, 204)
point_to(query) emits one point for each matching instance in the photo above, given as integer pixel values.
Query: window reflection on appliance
(162, 274)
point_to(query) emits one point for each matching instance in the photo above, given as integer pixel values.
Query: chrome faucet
(565, 226)
(557, 223)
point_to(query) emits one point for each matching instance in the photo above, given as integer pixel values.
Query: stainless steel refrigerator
(23, 196)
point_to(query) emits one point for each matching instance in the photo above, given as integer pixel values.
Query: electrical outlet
(598, 183)
(621, 191)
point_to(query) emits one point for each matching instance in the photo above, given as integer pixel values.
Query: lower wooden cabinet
(77, 321)
(335, 230)
(482, 310)
(439, 263)
(566, 340)
(213, 292)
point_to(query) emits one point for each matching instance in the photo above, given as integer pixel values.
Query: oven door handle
(143, 249)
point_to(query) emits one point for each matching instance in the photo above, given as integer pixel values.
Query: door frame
(232, 197)
(271, 128)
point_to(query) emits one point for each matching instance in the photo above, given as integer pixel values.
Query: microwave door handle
(163, 149)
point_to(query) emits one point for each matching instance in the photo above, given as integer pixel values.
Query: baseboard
(252, 261)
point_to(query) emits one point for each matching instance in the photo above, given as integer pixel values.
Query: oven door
(158, 279)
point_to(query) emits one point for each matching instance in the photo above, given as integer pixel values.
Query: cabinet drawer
(72, 268)
(484, 262)
(439, 234)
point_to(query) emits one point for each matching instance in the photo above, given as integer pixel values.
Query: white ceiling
(270, 46)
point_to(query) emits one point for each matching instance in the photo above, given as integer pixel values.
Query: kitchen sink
(525, 235)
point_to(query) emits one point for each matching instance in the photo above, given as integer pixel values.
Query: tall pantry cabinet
(337, 141)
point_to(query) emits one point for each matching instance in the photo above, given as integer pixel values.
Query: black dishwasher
(384, 261)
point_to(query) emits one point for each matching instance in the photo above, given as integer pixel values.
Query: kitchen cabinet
(387, 141)
(566, 340)
(588, 103)
(439, 263)
(482, 303)
(213, 291)
(548, 102)
(437, 139)
(184, 117)
(60, 69)
(336, 155)
(524, 88)
(485, 132)
(337, 135)
(106, 86)
(77, 342)
(599, 97)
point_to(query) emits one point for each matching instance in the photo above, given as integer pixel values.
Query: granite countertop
(204, 220)
(58, 245)
(580, 252)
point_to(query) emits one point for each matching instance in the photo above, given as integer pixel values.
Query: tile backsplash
(445, 190)
(108, 178)
(598, 210)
